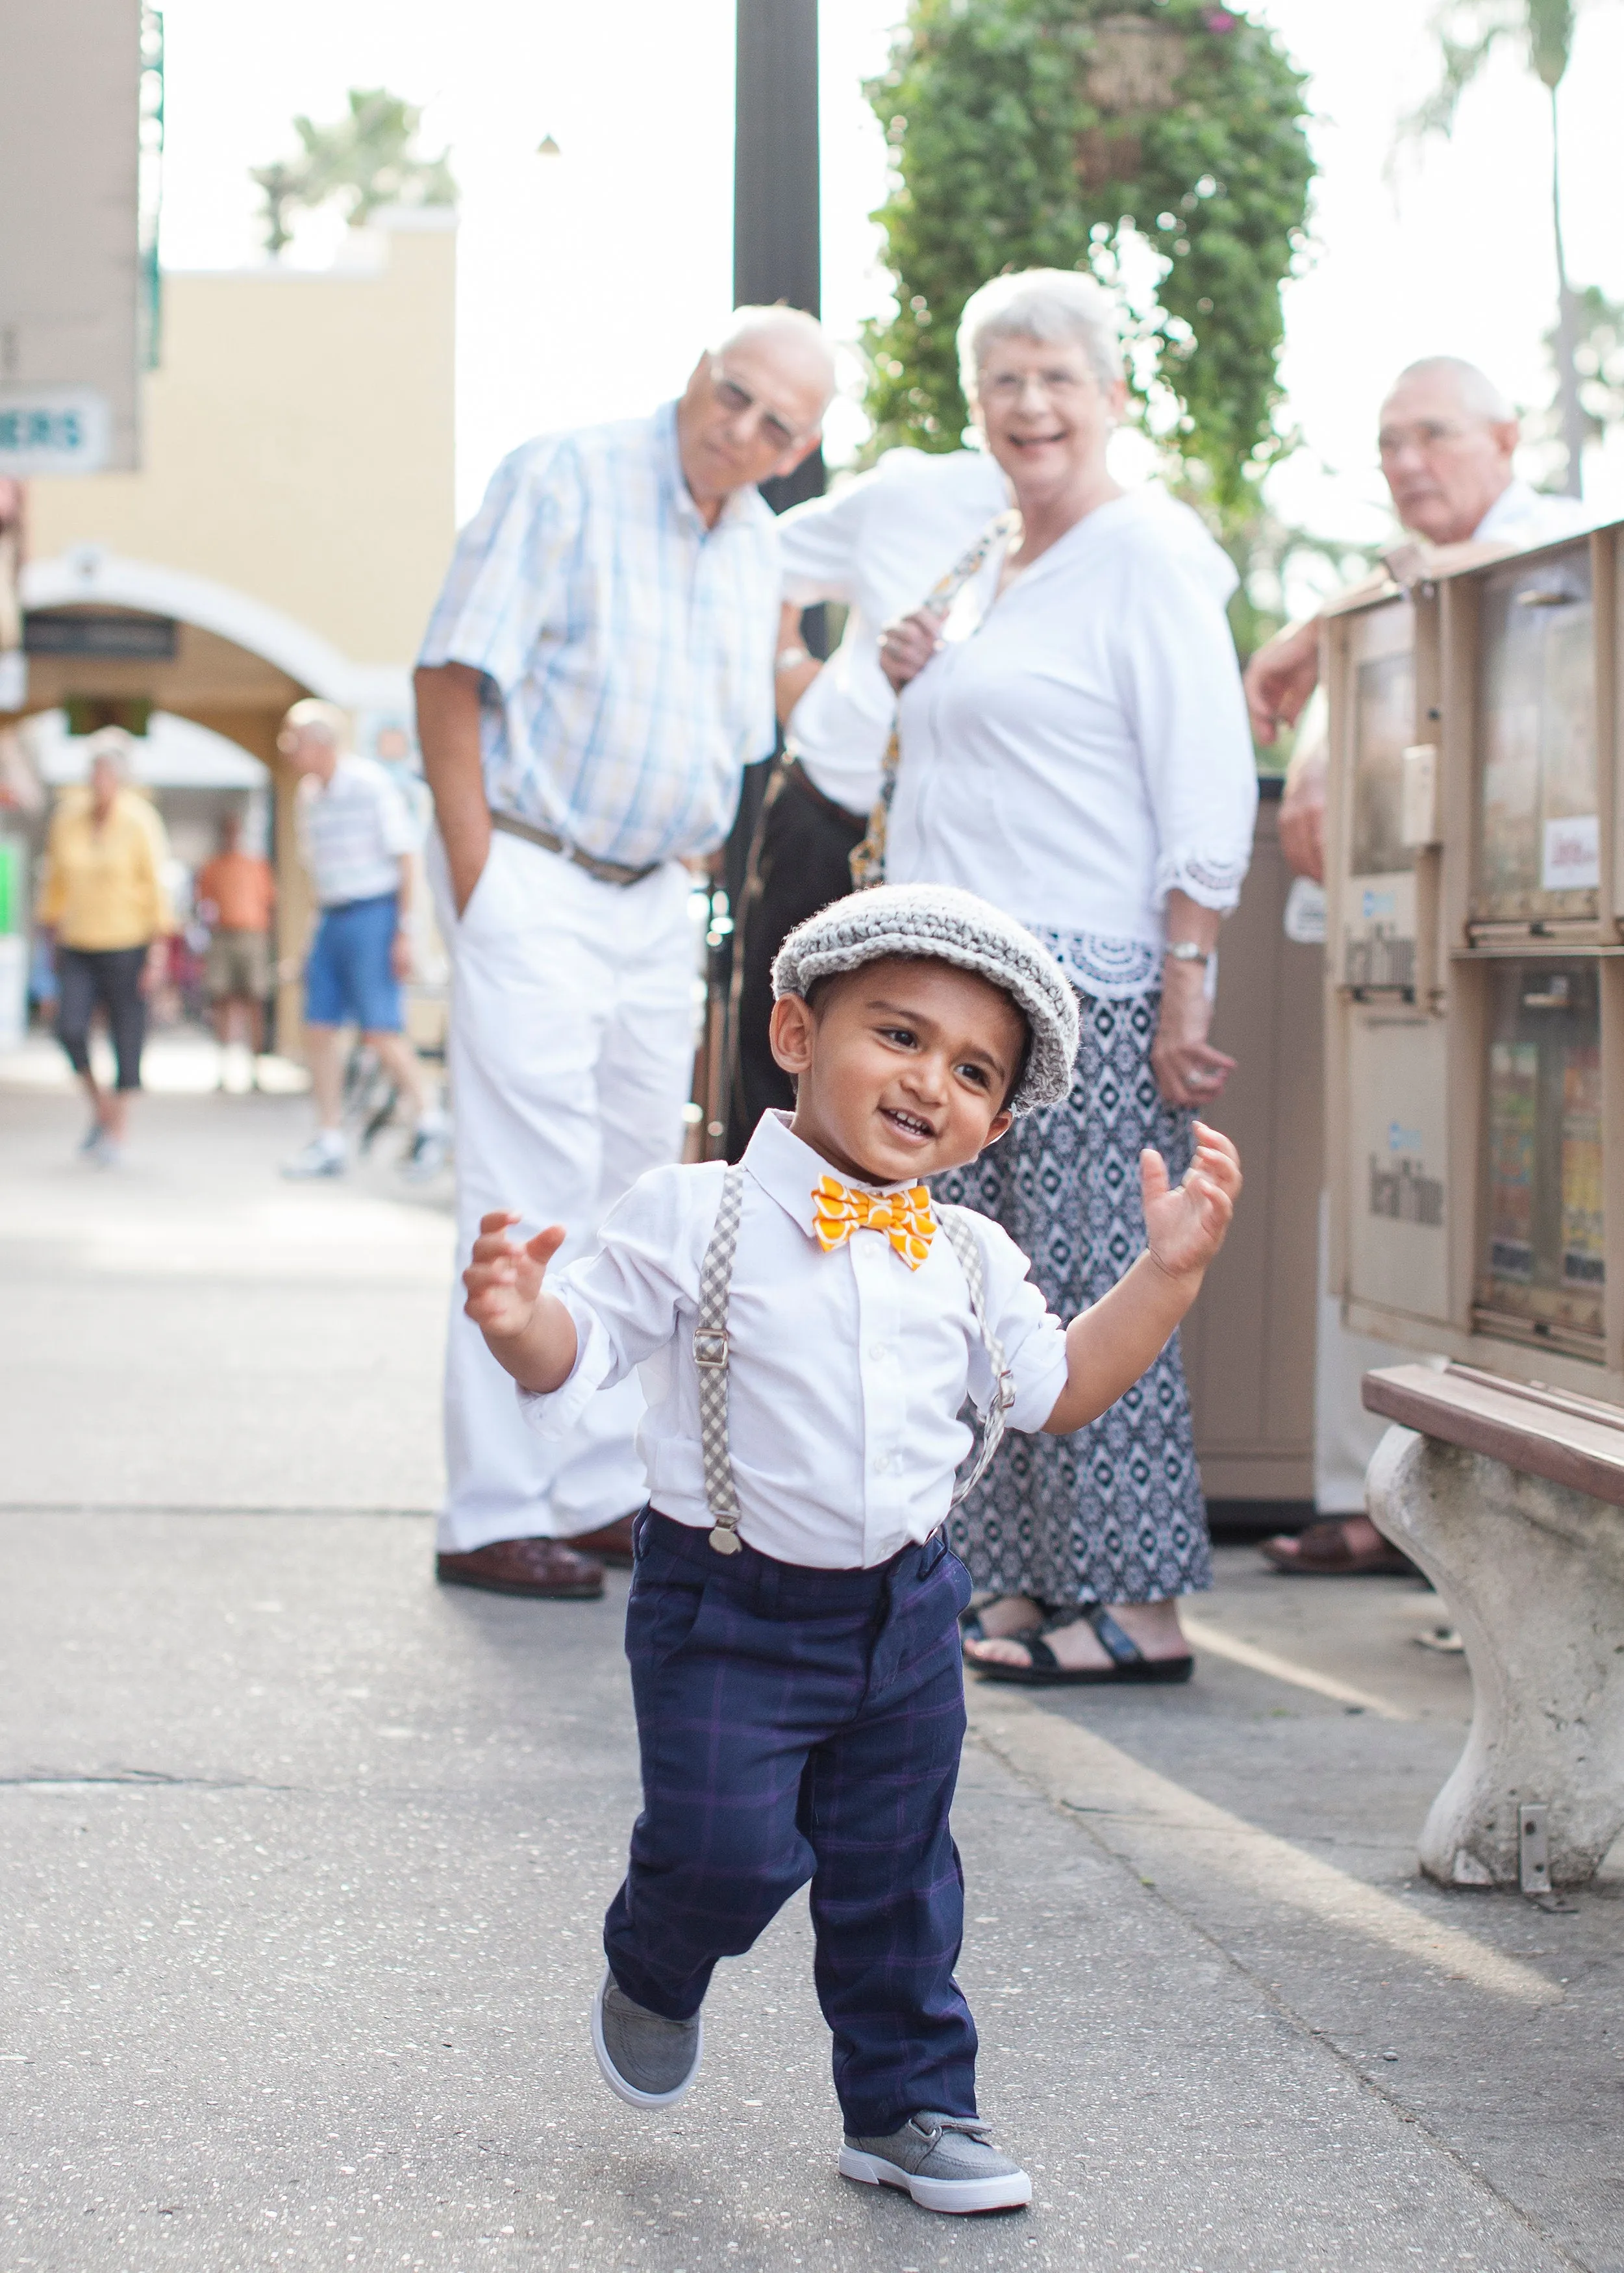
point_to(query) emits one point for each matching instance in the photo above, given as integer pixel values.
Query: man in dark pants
(876, 546)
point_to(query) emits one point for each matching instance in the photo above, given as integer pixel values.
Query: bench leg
(1533, 1577)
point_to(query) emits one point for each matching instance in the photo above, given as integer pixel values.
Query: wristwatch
(791, 658)
(1186, 950)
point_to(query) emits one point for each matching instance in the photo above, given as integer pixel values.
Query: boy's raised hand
(504, 1280)
(1184, 1226)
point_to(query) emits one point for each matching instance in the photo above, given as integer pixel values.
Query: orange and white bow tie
(904, 1217)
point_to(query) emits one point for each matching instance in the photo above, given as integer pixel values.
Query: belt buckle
(710, 1345)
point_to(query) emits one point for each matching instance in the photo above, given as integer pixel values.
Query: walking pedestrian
(792, 1625)
(876, 546)
(235, 896)
(594, 679)
(105, 905)
(1074, 745)
(357, 836)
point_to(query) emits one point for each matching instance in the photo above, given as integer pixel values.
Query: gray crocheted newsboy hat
(940, 922)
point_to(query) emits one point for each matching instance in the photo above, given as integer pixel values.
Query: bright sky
(589, 280)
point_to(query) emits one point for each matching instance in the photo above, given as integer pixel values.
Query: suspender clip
(710, 1345)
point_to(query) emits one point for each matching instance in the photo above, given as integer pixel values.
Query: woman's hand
(1188, 1071)
(906, 645)
(155, 970)
(1184, 1228)
(400, 955)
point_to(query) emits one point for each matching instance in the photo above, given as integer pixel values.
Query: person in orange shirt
(104, 904)
(236, 894)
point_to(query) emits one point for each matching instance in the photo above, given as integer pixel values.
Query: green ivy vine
(1077, 134)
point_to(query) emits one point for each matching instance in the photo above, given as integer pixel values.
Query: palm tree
(1468, 32)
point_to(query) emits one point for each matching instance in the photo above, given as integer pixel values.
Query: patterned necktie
(904, 1217)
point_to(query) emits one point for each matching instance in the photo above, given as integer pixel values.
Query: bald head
(1448, 438)
(753, 407)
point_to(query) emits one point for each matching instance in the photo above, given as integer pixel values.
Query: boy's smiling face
(902, 1070)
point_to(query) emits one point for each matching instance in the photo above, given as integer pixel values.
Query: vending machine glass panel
(1538, 848)
(1541, 1264)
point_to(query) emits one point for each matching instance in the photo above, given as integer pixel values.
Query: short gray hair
(110, 746)
(1476, 391)
(803, 334)
(1040, 303)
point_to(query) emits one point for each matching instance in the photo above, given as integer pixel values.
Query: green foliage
(365, 159)
(1159, 145)
(1469, 31)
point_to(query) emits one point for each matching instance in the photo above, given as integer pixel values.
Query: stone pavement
(301, 1860)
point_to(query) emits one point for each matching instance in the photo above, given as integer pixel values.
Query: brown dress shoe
(1338, 1548)
(549, 1569)
(611, 1543)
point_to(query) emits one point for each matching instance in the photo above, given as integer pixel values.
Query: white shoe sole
(612, 2074)
(955, 2196)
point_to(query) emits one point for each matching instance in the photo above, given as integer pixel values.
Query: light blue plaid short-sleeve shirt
(627, 649)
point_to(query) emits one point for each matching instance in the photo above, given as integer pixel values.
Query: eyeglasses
(1427, 435)
(737, 399)
(1009, 386)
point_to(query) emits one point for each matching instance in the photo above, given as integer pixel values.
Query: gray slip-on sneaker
(943, 2161)
(646, 2059)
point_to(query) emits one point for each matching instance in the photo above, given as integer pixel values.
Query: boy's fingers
(498, 1219)
(546, 1243)
(1152, 1173)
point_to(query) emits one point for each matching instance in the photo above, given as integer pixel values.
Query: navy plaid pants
(799, 1724)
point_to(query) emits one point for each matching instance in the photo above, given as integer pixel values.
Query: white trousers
(570, 1053)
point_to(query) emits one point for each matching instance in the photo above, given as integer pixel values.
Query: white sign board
(53, 430)
(69, 260)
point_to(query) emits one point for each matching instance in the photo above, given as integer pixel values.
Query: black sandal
(971, 1628)
(1044, 1669)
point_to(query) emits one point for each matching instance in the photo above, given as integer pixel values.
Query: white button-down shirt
(879, 543)
(628, 649)
(847, 1372)
(1078, 748)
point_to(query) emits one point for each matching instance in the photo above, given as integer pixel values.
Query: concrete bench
(1510, 1497)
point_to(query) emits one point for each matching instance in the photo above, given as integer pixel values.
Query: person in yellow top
(104, 903)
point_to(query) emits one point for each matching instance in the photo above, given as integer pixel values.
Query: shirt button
(883, 1464)
(879, 1352)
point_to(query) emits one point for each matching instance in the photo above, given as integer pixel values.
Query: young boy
(808, 1329)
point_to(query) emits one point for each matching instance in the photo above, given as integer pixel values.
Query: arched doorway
(102, 629)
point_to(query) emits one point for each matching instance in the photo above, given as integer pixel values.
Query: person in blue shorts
(356, 835)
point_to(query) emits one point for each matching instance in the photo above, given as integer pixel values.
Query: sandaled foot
(943, 2161)
(997, 1617)
(1342, 1547)
(1038, 1668)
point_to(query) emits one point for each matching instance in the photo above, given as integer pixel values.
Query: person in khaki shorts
(237, 894)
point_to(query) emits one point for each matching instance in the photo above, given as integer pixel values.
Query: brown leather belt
(796, 777)
(607, 872)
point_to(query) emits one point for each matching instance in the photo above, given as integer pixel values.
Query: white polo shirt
(353, 831)
(879, 543)
(848, 1370)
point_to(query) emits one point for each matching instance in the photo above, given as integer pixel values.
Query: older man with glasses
(1447, 438)
(596, 675)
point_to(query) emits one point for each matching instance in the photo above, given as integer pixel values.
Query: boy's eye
(903, 1035)
(974, 1073)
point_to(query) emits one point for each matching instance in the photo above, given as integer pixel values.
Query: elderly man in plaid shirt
(596, 674)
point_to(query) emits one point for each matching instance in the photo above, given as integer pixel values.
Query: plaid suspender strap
(868, 859)
(961, 1239)
(711, 1352)
(710, 1357)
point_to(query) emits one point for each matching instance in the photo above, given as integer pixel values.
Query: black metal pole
(776, 252)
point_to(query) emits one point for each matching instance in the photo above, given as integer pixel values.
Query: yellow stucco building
(293, 516)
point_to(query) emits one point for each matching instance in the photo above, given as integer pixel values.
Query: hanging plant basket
(1161, 148)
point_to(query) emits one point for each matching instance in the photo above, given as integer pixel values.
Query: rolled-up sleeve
(1180, 686)
(510, 566)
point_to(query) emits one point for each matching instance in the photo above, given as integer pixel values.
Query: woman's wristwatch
(791, 658)
(1186, 950)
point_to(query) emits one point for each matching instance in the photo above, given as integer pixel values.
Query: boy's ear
(1000, 1122)
(790, 1031)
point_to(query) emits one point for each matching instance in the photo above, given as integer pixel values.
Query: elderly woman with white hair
(103, 902)
(1073, 745)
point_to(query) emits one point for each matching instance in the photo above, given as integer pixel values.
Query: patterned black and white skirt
(1114, 1513)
